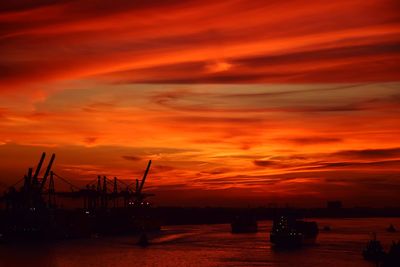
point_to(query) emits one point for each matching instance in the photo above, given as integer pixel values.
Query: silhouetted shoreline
(169, 215)
(215, 215)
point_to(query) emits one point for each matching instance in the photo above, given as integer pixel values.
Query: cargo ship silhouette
(287, 231)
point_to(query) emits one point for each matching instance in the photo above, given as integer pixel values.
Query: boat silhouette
(287, 231)
(373, 251)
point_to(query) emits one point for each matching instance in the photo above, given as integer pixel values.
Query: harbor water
(207, 245)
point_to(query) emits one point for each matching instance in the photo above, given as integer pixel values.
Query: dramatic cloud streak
(198, 41)
(235, 101)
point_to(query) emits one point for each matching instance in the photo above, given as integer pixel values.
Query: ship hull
(288, 232)
(291, 241)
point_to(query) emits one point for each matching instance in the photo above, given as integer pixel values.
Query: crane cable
(66, 181)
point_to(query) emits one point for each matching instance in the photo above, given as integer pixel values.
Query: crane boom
(144, 177)
(46, 174)
(39, 166)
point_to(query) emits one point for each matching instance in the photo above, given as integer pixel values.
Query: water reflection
(207, 245)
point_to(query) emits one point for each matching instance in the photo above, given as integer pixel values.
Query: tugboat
(374, 251)
(242, 224)
(287, 231)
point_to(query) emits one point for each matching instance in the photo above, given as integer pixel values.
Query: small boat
(391, 229)
(244, 224)
(374, 250)
(287, 231)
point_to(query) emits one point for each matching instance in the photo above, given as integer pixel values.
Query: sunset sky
(236, 102)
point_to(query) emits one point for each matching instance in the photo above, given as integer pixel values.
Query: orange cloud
(173, 42)
(292, 100)
(208, 138)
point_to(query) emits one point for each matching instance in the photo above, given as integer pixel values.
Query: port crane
(32, 212)
(37, 193)
(30, 194)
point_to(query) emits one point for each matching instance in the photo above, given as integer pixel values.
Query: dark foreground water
(208, 245)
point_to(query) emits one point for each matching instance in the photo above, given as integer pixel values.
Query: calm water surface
(208, 245)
